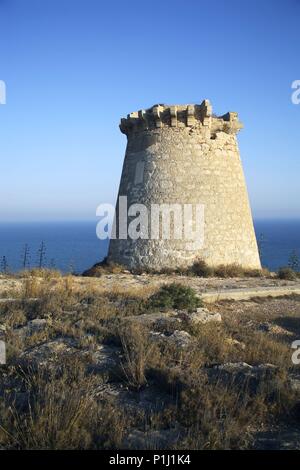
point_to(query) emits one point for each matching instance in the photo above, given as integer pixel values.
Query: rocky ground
(128, 282)
(96, 363)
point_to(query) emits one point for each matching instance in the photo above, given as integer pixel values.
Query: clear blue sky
(74, 67)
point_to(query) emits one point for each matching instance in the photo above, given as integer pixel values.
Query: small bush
(176, 296)
(200, 268)
(287, 273)
(229, 270)
(104, 267)
(264, 272)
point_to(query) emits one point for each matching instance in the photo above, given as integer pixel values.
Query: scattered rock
(104, 359)
(274, 329)
(234, 367)
(33, 326)
(49, 352)
(179, 338)
(203, 315)
(37, 325)
(243, 374)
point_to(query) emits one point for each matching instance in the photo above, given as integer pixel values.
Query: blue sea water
(277, 239)
(69, 246)
(75, 246)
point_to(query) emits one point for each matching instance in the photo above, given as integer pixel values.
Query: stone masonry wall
(185, 155)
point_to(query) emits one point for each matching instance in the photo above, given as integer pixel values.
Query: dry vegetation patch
(86, 370)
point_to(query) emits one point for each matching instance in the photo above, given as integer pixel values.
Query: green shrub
(176, 296)
(287, 273)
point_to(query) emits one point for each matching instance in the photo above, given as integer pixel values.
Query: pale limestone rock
(37, 324)
(179, 338)
(33, 326)
(244, 375)
(202, 315)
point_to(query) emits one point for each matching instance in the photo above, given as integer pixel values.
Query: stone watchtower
(186, 155)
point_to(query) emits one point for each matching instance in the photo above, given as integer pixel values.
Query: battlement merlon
(191, 115)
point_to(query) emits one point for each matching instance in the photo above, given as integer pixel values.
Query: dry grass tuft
(138, 351)
(61, 412)
(43, 273)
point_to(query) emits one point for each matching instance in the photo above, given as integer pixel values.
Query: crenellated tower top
(191, 115)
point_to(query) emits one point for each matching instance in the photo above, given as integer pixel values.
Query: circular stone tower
(185, 159)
